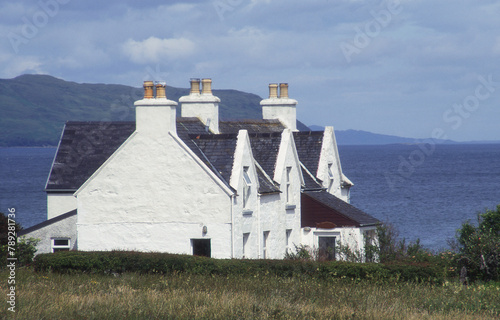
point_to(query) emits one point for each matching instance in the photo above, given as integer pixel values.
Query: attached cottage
(198, 185)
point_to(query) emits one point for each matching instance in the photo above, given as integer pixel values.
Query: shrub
(479, 247)
(23, 249)
(163, 263)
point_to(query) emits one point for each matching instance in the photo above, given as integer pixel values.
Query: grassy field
(182, 296)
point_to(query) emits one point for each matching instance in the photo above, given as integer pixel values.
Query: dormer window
(289, 197)
(330, 176)
(246, 188)
(330, 172)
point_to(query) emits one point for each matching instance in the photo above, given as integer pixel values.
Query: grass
(183, 296)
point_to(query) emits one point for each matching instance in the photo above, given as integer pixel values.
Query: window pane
(61, 242)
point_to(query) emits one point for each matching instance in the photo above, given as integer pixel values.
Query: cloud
(155, 50)
(14, 66)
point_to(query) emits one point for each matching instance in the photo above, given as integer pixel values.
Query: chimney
(195, 86)
(204, 106)
(160, 90)
(283, 90)
(280, 106)
(273, 90)
(148, 90)
(155, 116)
(206, 88)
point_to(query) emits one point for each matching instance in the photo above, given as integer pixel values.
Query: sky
(412, 68)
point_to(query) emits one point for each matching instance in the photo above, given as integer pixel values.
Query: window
(330, 172)
(201, 247)
(245, 247)
(330, 176)
(326, 248)
(60, 244)
(289, 197)
(246, 187)
(264, 244)
(288, 235)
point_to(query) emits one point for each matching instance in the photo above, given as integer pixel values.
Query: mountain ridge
(34, 109)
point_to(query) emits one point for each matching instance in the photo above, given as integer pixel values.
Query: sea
(425, 191)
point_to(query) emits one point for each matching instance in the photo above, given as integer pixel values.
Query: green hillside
(34, 108)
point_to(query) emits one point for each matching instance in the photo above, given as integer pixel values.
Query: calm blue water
(426, 195)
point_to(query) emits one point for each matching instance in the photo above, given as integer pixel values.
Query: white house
(199, 185)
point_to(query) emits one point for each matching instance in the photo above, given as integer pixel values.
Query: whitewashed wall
(291, 210)
(65, 228)
(350, 236)
(246, 220)
(59, 203)
(329, 155)
(153, 195)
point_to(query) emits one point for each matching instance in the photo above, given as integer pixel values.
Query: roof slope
(251, 125)
(321, 206)
(218, 152)
(85, 146)
(308, 145)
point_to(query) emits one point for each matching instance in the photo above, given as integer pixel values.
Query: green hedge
(121, 261)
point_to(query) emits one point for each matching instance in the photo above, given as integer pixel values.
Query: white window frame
(57, 247)
(331, 177)
(288, 236)
(289, 195)
(246, 236)
(265, 238)
(247, 187)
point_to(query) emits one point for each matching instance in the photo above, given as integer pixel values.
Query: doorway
(201, 247)
(326, 248)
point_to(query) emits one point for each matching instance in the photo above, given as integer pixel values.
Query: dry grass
(182, 296)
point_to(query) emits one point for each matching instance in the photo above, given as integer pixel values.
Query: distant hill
(34, 108)
(359, 137)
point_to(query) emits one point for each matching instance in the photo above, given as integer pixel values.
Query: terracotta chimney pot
(195, 86)
(148, 90)
(273, 90)
(283, 90)
(160, 90)
(206, 86)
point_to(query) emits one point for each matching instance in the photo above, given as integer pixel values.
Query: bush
(10, 246)
(163, 263)
(479, 247)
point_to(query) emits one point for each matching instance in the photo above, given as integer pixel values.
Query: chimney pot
(160, 90)
(273, 90)
(206, 86)
(283, 90)
(148, 90)
(195, 86)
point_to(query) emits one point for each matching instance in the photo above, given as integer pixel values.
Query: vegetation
(24, 249)
(34, 108)
(411, 283)
(117, 262)
(45, 295)
(479, 247)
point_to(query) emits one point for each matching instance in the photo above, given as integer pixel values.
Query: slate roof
(218, 152)
(265, 149)
(85, 146)
(251, 125)
(337, 206)
(308, 145)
